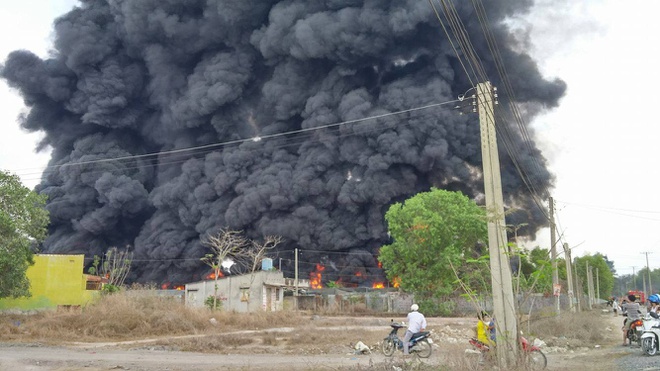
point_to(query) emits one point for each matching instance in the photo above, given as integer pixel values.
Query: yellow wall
(54, 280)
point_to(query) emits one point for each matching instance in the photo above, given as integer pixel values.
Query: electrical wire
(214, 146)
(460, 33)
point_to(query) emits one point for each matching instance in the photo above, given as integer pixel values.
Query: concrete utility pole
(503, 299)
(578, 289)
(649, 271)
(634, 280)
(644, 285)
(588, 272)
(569, 276)
(553, 252)
(597, 285)
(295, 294)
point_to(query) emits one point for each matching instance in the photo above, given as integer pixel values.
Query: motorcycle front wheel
(648, 347)
(423, 349)
(388, 347)
(536, 360)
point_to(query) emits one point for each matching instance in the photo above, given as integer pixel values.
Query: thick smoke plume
(130, 78)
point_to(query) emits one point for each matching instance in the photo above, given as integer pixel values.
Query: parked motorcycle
(420, 343)
(651, 335)
(534, 357)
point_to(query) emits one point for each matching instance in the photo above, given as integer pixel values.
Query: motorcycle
(651, 335)
(635, 332)
(420, 343)
(534, 357)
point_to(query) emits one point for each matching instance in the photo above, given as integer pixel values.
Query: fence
(393, 301)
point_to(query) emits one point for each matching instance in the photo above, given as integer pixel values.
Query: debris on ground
(361, 348)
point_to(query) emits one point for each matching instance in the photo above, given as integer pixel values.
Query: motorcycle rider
(631, 310)
(484, 328)
(655, 303)
(416, 323)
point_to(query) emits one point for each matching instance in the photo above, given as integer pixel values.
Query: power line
(214, 146)
(474, 61)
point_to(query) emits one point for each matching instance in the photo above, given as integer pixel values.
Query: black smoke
(130, 78)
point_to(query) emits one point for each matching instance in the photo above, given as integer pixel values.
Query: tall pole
(296, 278)
(649, 271)
(578, 289)
(503, 299)
(644, 285)
(569, 276)
(588, 284)
(597, 285)
(634, 280)
(553, 252)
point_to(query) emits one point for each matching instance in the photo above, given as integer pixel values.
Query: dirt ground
(449, 335)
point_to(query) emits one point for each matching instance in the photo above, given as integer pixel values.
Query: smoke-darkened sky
(127, 79)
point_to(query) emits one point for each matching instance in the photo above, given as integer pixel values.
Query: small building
(57, 281)
(262, 290)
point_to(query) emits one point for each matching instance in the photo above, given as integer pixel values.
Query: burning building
(169, 120)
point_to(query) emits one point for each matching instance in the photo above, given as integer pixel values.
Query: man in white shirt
(416, 323)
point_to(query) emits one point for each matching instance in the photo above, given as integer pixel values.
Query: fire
(396, 282)
(358, 274)
(315, 277)
(211, 276)
(169, 286)
(378, 285)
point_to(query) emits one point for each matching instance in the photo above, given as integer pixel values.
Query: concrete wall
(246, 293)
(55, 280)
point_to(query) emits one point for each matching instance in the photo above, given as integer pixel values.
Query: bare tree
(257, 252)
(226, 244)
(114, 266)
(254, 255)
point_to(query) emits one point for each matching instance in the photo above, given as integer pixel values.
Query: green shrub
(437, 307)
(209, 303)
(109, 288)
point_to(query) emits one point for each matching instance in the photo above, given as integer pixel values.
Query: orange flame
(378, 285)
(315, 277)
(396, 282)
(165, 286)
(180, 287)
(358, 274)
(211, 276)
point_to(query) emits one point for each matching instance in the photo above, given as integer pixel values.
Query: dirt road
(18, 358)
(148, 355)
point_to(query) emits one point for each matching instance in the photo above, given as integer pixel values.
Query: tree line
(439, 247)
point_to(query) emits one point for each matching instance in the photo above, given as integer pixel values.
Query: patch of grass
(270, 338)
(583, 327)
(213, 343)
(121, 316)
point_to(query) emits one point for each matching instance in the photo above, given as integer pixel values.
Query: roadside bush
(209, 303)
(437, 307)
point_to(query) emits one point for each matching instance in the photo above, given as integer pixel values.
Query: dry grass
(121, 317)
(171, 325)
(583, 327)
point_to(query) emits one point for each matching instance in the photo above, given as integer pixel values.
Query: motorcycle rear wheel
(423, 349)
(648, 347)
(537, 360)
(633, 337)
(388, 347)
